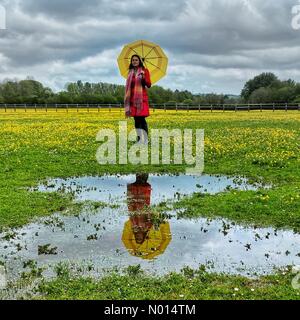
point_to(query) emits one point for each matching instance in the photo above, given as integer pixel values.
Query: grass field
(263, 146)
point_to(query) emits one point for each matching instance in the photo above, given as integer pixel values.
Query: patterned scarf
(137, 93)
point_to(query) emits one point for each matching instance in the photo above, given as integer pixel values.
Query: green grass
(279, 207)
(187, 285)
(263, 146)
(33, 147)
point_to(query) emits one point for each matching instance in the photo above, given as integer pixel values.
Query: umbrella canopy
(152, 55)
(155, 244)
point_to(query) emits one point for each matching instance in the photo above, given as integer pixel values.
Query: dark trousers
(140, 123)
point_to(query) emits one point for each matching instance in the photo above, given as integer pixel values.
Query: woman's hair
(141, 178)
(141, 62)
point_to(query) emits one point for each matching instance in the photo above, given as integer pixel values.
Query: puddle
(113, 188)
(132, 233)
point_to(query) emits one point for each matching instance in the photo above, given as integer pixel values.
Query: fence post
(261, 107)
(286, 107)
(25, 107)
(5, 107)
(15, 107)
(199, 108)
(235, 107)
(248, 107)
(153, 107)
(46, 105)
(211, 108)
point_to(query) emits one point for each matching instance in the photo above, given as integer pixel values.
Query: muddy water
(132, 233)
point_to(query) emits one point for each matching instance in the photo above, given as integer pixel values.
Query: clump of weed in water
(62, 270)
(47, 249)
(9, 235)
(34, 272)
(134, 270)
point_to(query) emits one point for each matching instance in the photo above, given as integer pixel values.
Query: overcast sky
(212, 45)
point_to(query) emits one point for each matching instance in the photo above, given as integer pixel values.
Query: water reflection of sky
(107, 188)
(218, 243)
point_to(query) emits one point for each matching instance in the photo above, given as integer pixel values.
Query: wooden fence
(164, 106)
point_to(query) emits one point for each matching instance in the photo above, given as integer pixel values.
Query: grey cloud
(105, 9)
(228, 39)
(225, 28)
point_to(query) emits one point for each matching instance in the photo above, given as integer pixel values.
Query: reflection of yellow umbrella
(152, 55)
(155, 244)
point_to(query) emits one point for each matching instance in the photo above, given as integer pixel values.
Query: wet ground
(132, 232)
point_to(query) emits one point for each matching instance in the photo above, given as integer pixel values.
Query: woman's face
(140, 236)
(135, 61)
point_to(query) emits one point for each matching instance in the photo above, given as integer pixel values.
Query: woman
(136, 96)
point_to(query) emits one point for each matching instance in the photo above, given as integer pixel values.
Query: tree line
(264, 88)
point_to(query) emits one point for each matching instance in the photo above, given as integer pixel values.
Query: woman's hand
(142, 75)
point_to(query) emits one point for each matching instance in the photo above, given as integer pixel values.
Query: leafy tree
(286, 94)
(262, 80)
(297, 100)
(263, 88)
(187, 101)
(261, 95)
(63, 97)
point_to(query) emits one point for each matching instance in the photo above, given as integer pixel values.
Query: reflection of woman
(136, 97)
(140, 235)
(138, 195)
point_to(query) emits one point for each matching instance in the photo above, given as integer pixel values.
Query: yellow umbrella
(152, 55)
(155, 244)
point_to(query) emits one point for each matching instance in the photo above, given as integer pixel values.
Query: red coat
(145, 109)
(138, 196)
